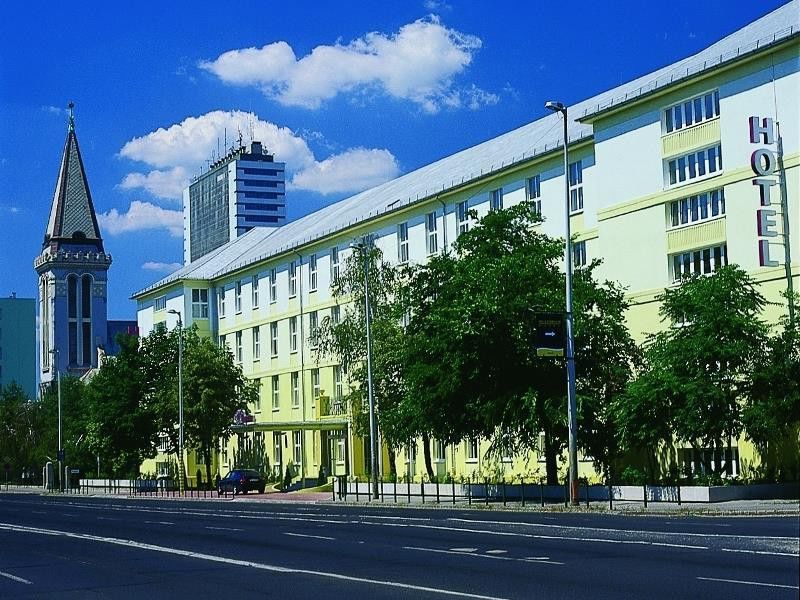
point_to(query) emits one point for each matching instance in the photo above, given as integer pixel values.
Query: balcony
(330, 407)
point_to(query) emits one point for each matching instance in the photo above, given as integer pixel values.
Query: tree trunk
(393, 464)
(426, 452)
(551, 460)
(207, 459)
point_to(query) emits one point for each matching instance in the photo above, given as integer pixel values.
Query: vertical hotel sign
(764, 163)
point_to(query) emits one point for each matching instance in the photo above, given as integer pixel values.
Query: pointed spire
(72, 217)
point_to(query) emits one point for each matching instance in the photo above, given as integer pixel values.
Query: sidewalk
(623, 507)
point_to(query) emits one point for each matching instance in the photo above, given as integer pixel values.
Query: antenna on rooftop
(225, 139)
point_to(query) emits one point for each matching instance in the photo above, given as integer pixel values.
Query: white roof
(536, 138)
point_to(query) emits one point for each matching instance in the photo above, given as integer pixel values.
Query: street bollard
(395, 488)
(408, 490)
(587, 492)
(422, 488)
(610, 496)
(644, 494)
(486, 491)
(679, 494)
(356, 489)
(522, 483)
(504, 491)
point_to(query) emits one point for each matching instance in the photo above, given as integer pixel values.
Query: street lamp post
(571, 402)
(180, 398)
(373, 425)
(60, 455)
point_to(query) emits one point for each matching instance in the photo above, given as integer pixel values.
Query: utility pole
(60, 454)
(181, 471)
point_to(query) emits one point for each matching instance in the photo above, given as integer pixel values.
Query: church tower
(72, 269)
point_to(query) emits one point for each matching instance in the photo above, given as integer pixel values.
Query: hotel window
(472, 449)
(273, 286)
(256, 343)
(221, 302)
(254, 291)
(439, 451)
(160, 303)
(292, 334)
(430, 230)
(534, 192)
(223, 343)
(496, 199)
(694, 165)
(699, 262)
(298, 447)
(315, 386)
(402, 243)
(576, 186)
(312, 273)
(579, 254)
(237, 299)
(338, 385)
(336, 314)
(334, 265)
(691, 112)
(313, 325)
(292, 279)
(238, 346)
(295, 389)
(699, 207)
(199, 304)
(273, 338)
(276, 398)
(257, 401)
(462, 210)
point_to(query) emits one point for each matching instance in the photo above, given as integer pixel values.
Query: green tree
(470, 365)
(214, 388)
(17, 430)
(701, 365)
(771, 415)
(74, 424)
(345, 341)
(605, 356)
(120, 423)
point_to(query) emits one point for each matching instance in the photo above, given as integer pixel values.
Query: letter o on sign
(762, 161)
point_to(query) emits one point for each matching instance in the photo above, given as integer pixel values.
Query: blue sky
(347, 93)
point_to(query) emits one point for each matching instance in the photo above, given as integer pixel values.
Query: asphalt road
(84, 547)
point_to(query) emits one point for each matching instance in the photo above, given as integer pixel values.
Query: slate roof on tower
(72, 217)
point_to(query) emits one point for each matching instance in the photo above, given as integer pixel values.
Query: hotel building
(680, 171)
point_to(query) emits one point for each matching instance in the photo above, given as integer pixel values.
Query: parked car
(241, 481)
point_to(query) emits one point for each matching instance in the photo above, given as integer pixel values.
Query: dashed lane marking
(15, 578)
(306, 535)
(224, 528)
(544, 560)
(741, 582)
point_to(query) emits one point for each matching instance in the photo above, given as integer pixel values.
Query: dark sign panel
(550, 334)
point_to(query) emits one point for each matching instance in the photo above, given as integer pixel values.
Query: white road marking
(109, 519)
(610, 530)
(759, 552)
(15, 578)
(776, 585)
(463, 549)
(68, 515)
(220, 528)
(497, 552)
(243, 563)
(539, 559)
(165, 523)
(305, 535)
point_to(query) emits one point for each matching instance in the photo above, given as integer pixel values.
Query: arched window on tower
(44, 315)
(72, 314)
(86, 320)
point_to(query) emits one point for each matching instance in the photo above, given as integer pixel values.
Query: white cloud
(161, 267)
(181, 149)
(418, 63)
(140, 216)
(190, 143)
(355, 169)
(163, 184)
(436, 5)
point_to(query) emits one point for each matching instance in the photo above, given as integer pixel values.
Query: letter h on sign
(763, 162)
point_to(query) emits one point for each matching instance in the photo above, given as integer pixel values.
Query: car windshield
(252, 474)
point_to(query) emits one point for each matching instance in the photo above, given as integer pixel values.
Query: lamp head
(555, 106)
